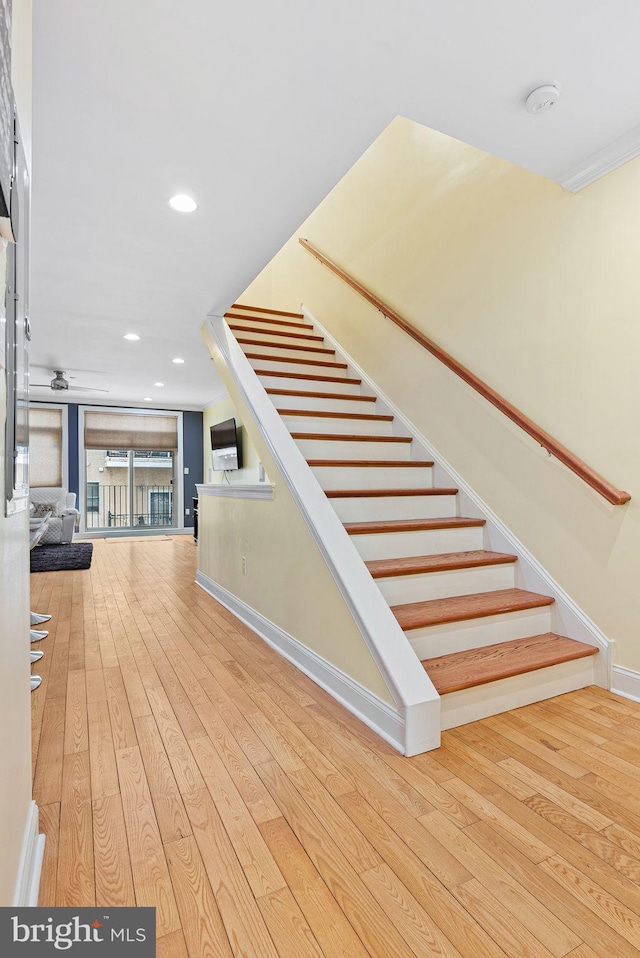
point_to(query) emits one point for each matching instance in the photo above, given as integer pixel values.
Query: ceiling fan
(60, 384)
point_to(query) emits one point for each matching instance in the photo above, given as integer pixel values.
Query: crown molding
(609, 158)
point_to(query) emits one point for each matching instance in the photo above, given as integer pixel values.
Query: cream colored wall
(15, 705)
(21, 79)
(218, 412)
(286, 580)
(536, 290)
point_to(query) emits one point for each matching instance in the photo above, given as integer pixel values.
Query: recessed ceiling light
(177, 360)
(158, 384)
(131, 336)
(147, 399)
(183, 203)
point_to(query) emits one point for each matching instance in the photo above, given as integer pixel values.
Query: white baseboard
(383, 718)
(30, 867)
(138, 533)
(625, 682)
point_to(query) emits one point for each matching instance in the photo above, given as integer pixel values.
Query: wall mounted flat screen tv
(226, 449)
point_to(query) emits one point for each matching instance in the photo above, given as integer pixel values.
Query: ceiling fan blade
(87, 389)
(40, 385)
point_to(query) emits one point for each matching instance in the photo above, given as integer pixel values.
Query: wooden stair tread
(263, 309)
(328, 364)
(319, 395)
(411, 525)
(328, 414)
(285, 374)
(368, 463)
(341, 437)
(238, 327)
(383, 493)
(298, 346)
(459, 608)
(444, 562)
(268, 319)
(464, 670)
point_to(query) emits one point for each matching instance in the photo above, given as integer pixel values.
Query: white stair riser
(284, 382)
(440, 585)
(283, 367)
(398, 545)
(476, 633)
(322, 403)
(372, 509)
(471, 705)
(273, 351)
(353, 449)
(373, 477)
(272, 333)
(349, 427)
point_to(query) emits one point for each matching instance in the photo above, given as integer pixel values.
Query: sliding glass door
(130, 470)
(129, 489)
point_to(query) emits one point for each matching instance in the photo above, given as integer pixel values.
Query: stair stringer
(416, 702)
(567, 618)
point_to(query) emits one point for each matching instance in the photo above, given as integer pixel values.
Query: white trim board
(30, 866)
(625, 682)
(569, 619)
(178, 474)
(609, 158)
(140, 533)
(384, 719)
(237, 491)
(407, 681)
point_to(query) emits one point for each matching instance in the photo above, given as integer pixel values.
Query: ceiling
(257, 109)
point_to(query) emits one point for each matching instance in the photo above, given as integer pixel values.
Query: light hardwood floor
(179, 762)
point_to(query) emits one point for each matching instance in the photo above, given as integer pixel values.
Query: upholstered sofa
(65, 516)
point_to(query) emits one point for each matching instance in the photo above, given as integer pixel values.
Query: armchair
(65, 516)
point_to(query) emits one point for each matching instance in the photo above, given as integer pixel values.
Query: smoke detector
(543, 98)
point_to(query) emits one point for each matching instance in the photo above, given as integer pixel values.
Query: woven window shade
(113, 430)
(45, 447)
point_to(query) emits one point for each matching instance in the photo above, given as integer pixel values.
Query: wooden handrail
(615, 496)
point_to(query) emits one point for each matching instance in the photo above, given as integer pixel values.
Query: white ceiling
(257, 109)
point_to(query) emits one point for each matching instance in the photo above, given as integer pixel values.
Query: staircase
(486, 645)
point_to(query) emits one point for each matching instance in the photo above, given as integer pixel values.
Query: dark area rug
(56, 558)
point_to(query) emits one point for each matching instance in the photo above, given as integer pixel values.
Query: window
(93, 497)
(45, 446)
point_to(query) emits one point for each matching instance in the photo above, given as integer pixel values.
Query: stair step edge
(463, 608)
(462, 670)
(263, 309)
(341, 437)
(239, 328)
(319, 395)
(386, 493)
(296, 361)
(330, 414)
(411, 525)
(443, 562)
(371, 463)
(307, 377)
(304, 349)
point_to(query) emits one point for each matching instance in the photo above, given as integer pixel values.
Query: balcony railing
(152, 506)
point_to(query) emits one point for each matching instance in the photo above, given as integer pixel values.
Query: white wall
(15, 705)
